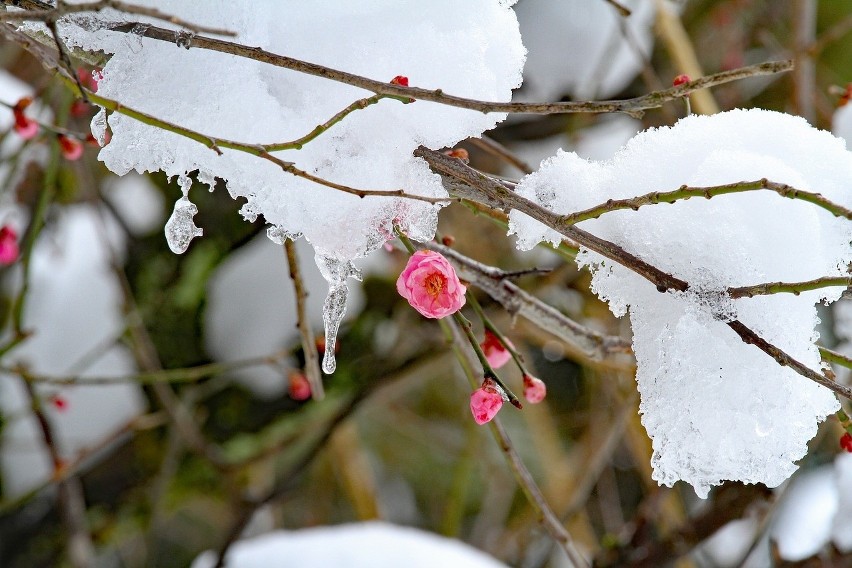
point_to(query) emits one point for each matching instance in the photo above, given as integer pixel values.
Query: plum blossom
(71, 148)
(25, 127)
(485, 402)
(430, 285)
(299, 388)
(494, 350)
(534, 389)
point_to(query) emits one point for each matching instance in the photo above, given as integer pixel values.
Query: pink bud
(430, 285)
(299, 388)
(59, 403)
(485, 402)
(9, 250)
(71, 148)
(494, 350)
(25, 127)
(79, 108)
(534, 389)
(681, 79)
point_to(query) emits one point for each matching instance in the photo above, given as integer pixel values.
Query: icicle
(180, 228)
(335, 272)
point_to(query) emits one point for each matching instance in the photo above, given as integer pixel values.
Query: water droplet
(335, 273)
(180, 228)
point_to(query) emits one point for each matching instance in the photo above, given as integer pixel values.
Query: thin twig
(834, 357)
(309, 346)
(804, 73)
(494, 148)
(522, 475)
(516, 301)
(495, 194)
(633, 107)
(829, 36)
(63, 9)
(623, 10)
(81, 551)
(685, 192)
(789, 287)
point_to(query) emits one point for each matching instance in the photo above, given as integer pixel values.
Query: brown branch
(309, 346)
(62, 9)
(633, 107)
(484, 189)
(516, 301)
(498, 150)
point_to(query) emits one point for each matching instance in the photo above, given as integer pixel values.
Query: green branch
(789, 287)
(686, 192)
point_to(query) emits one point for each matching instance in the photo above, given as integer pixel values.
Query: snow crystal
(470, 49)
(715, 407)
(363, 545)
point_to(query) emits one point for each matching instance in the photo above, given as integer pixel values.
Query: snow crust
(363, 545)
(714, 407)
(470, 49)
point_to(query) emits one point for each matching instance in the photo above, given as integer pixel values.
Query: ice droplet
(335, 273)
(99, 127)
(180, 228)
(278, 234)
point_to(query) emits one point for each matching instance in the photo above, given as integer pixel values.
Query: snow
(714, 407)
(74, 309)
(470, 49)
(363, 545)
(595, 60)
(137, 202)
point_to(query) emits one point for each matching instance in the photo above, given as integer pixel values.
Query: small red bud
(299, 388)
(400, 80)
(681, 79)
(448, 240)
(846, 442)
(71, 148)
(9, 249)
(458, 153)
(59, 402)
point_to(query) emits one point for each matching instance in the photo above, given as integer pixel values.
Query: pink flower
(299, 388)
(71, 148)
(9, 250)
(495, 352)
(430, 285)
(485, 402)
(534, 389)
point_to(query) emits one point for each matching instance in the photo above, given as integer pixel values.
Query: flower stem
(489, 325)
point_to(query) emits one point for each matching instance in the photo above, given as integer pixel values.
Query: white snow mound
(715, 407)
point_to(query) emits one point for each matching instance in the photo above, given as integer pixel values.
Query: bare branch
(685, 192)
(634, 106)
(309, 347)
(34, 13)
(789, 287)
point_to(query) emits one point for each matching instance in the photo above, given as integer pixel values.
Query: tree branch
(789, 287)
(633, 107)
(309, 346)
(685, 192)
(496, 194)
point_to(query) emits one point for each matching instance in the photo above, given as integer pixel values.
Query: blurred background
(188, 431)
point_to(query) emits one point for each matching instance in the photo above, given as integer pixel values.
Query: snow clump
(715, 407)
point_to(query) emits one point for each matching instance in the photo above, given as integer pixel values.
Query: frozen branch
(38, 14)
(634, 106)
(495, 194)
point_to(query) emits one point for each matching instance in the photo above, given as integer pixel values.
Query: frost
(715, 407)
(363, 545)
(471, 49)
